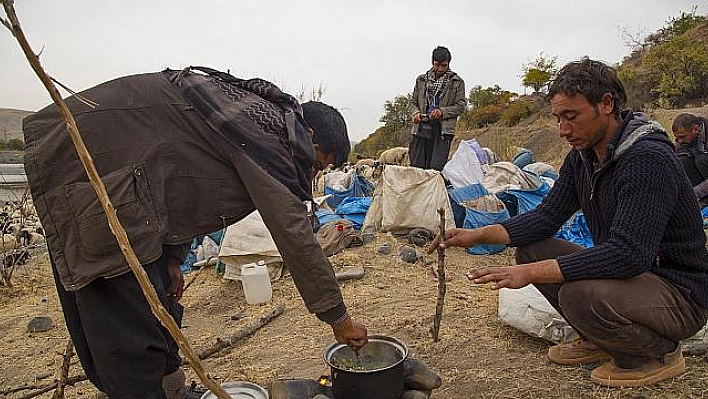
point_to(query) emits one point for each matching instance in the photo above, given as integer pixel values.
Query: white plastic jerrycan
(256, 283)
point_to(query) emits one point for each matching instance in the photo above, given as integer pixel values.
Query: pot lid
(240, 390)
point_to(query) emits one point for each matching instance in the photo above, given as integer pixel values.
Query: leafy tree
(493, 95)
(539, 73)
(680, 69)
(395, 131)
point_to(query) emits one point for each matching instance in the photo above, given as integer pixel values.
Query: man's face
(440, 67)
(322, 160)
(581, 124)
(686, 135)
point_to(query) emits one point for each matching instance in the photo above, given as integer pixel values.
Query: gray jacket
(170, 176)
(452, 103)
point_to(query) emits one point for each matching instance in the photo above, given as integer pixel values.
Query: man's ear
(311, 132)
(606, 104)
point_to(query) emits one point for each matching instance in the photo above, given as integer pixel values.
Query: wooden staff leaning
(13, 24)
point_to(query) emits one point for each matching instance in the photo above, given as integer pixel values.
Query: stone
(384, 249)
(40, 324)
(408, 254)
(350, 273)
(420, 236)
(418, 376)
(414, 394)
(43, 375)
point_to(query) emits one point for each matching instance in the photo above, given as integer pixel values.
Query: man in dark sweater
(643, 287)
(690, 133)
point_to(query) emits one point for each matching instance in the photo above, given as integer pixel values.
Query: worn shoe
(579, 351)
(651, 372)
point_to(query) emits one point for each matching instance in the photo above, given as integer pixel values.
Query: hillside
(539, 134)
(11, 123)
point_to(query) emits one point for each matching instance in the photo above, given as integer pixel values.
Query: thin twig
(245, 331)
(442, 287)
(64, 371)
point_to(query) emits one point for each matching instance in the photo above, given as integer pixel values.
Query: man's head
(441, 60)
(686, 127)
(587, 98)
(329, 134)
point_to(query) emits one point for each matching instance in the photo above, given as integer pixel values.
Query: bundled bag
(429, 129)
(337, 235)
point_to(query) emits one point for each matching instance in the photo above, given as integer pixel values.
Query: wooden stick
(64, 371)
(245, 331)
(441, 280)
(116, 227)
(42, 388)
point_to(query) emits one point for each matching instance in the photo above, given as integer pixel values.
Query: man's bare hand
(417, 117)
(351, 333)
(501, 277)
(176, 279)
(453, 238)
(436, 114)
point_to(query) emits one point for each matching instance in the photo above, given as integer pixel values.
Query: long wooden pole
(116, 227)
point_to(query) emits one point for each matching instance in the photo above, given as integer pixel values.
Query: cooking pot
(375, 373)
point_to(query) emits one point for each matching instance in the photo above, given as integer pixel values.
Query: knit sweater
(640, 209)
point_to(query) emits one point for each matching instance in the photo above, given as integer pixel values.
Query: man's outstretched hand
(351, 333)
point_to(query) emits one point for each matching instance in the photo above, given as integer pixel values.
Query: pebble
(384, 249)
(408, 254)
(40, 324)
(43, 375)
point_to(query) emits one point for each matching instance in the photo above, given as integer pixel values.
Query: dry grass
(477, 357)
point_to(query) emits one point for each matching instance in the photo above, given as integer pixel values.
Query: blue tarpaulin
(474, 218)
(359, 187)
(576, 231)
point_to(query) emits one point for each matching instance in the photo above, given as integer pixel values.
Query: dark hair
(592, 79)
(329, 130)
(686, 120)
(441, 54)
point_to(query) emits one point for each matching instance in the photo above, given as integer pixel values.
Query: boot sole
(660, 375)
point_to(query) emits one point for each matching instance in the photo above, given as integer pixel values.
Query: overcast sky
(362, 52)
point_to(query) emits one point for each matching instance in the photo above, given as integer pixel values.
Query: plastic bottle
(256, 283)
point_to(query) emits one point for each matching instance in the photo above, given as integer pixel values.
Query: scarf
(434, 86)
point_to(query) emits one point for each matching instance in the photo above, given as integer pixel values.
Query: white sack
(409, 197)
(464, 168)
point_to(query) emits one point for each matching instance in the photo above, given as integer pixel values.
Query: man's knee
(589, 302)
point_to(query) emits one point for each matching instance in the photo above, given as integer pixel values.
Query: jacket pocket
(129, 191)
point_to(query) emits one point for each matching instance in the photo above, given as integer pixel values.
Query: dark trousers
(430, 153)
(634, 319)
(123, 348)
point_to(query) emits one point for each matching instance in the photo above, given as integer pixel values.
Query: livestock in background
(395, 156)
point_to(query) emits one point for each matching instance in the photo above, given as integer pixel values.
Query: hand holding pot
(351, 333)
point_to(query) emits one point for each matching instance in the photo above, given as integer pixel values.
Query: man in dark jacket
(643, 287)
(438, 99)
(690, 133)
(182, 154)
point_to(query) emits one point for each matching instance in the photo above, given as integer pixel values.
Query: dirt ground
(477, 356)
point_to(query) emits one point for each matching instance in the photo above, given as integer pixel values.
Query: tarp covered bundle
(478, 208)
(407, 198)
(342, 185)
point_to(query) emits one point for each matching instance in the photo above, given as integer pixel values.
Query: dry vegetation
(477, 356)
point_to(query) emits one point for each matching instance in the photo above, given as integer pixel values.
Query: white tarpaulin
(407, 198)
(249, 241)
(464, 168)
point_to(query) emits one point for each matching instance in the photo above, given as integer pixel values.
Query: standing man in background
(438, 99)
